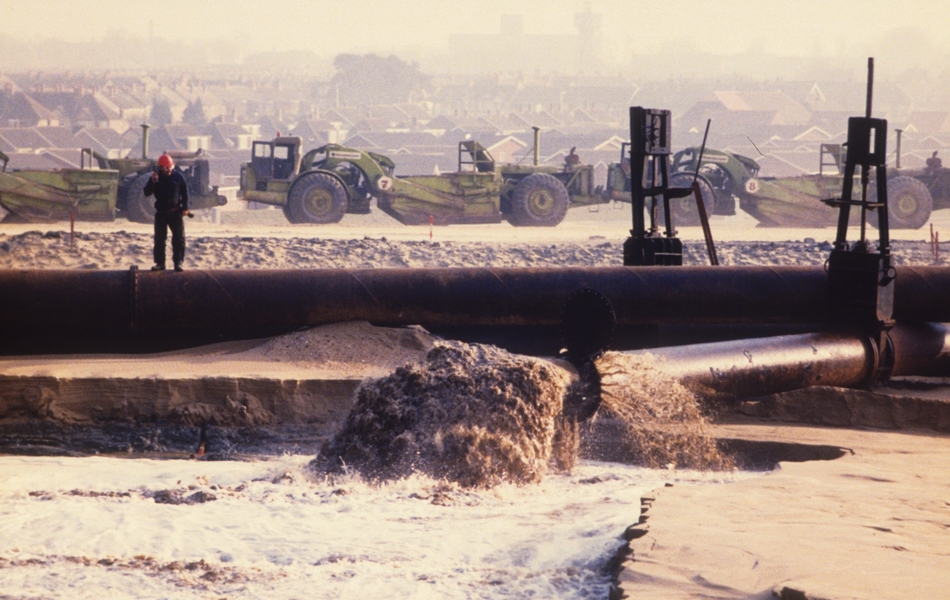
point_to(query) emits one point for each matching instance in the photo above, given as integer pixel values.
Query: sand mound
(664, 423)
(472, 414)
(355, 342)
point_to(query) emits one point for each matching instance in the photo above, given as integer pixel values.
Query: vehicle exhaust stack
(537, 145)
(144, 141)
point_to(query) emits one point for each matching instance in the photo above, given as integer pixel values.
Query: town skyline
(679, 39)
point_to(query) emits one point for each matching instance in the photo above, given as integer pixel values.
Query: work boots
(178, 268)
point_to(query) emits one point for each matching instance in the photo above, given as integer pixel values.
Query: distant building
(513, 49)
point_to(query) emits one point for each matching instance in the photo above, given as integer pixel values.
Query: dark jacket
(171, 192)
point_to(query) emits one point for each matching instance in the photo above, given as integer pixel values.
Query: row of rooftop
(45, 119)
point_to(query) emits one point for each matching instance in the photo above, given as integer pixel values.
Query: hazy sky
(786, 27)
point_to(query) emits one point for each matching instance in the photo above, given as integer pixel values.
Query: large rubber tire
(538, 200)
(317, 198)
(909, 204)
(138, 207)
(684, 210)
(288, 214)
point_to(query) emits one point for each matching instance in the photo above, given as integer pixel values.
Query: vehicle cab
(276, 159)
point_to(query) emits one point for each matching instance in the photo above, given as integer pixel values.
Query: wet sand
(871, 524)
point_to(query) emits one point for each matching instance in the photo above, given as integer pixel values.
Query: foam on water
(90, 527)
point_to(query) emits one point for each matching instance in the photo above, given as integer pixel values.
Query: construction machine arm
(376, 168)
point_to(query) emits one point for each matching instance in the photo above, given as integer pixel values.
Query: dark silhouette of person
(171, 207)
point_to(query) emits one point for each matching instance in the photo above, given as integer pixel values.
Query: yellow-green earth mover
(328, 182)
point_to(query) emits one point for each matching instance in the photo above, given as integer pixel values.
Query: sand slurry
(471, 414)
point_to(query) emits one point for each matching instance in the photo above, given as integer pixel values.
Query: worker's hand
(188, 214)
(154, 175)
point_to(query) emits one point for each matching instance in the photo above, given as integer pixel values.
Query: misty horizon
(766, 39)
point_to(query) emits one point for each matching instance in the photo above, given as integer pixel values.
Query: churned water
(441, 484)
(101, 527)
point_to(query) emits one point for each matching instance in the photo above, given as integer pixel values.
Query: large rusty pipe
(245, 303)
(228, 299)
(770, 365)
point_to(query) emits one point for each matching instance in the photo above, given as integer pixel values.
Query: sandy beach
(847, 512)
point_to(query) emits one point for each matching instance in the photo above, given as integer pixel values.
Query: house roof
(378, 124)
(813, 134)
(172, 97)
(389, 141)
(613, 144)
(786, 110)
(123, 100)
(509, 140)
(226, 129)
(414, 110)
(60, 102)
(929, 122)
(69, 157)
(270, 127)
(181, 130)
(442, 122)
(104, 136)
(540, 118)
(59, 137)
(160, 141)
(24, 138)
(361, 140)
(94, 107)
(24, 108)
(45, 161)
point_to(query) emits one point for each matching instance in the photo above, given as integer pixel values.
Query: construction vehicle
(914, 193)
(330, 181)
(797, 201)
(115, 188)
(318, 187)
(135, 172)
(45, 196)
(618, 177)
(683, 209)
(773, 201)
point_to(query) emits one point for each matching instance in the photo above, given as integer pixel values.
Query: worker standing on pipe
(171, 208)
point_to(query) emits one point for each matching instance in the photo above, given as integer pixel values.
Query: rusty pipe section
(777, 364)
(248, 303)
(768, 365)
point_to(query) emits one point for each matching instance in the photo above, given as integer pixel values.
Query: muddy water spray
(664, 422)
(471, 414)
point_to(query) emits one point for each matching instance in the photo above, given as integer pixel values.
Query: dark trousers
(164, 221)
